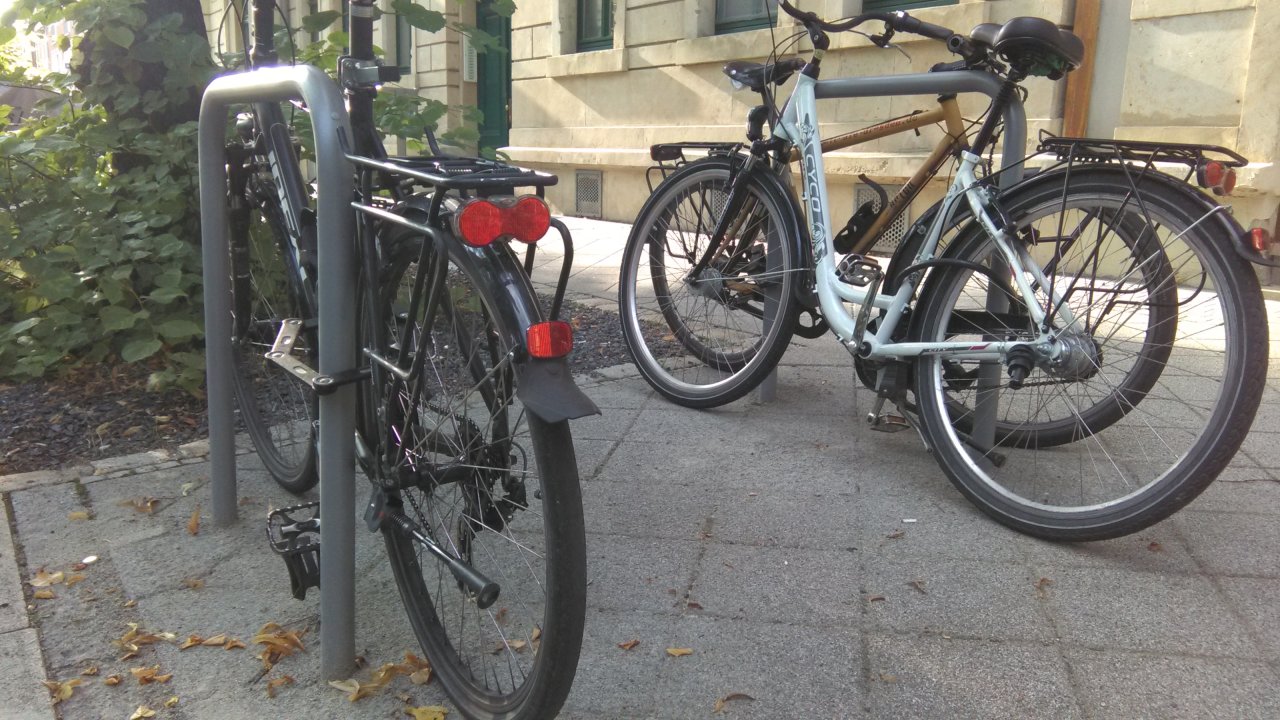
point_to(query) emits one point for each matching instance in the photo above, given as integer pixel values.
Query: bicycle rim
(1147, 408)
(506, 500)
(278, 411)
(709, 340)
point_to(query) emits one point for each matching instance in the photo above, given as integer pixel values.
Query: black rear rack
(670, 156)
(1143, 151)
(458, 173)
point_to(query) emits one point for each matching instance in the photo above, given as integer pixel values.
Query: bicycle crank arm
(485, 590)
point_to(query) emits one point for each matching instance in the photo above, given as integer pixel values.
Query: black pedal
(294, 533)
(858, 271)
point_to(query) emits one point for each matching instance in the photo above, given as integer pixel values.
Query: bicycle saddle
(756, 75)
(1033, 45)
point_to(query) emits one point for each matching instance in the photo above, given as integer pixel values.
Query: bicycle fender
(547, 389)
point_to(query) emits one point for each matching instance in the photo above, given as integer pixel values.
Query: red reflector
(548, 340)
(479, 223)
(1216, 177)
(527, 220)
(1260, 239)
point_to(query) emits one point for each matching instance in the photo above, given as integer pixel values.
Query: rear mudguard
(545, 387)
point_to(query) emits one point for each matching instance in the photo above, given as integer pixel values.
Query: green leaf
(418, 16)
(140, 349)
(165, 295)
(316, 22)
(20, 327)
(115, 318)
(118, 34)
(179, 329)
(7, 34)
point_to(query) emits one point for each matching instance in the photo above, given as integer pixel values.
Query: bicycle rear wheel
(1160, 378)
(489, 482)
(707, 341)
(278, 411)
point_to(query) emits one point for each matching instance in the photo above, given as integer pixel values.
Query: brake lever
(882, 40)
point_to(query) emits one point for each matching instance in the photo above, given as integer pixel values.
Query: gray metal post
(336, 290)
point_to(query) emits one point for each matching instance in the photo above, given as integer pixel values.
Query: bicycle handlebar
(894, 21)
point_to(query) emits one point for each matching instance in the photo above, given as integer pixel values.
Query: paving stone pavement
(769, 538)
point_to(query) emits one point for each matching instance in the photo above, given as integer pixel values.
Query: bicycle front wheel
(1163, 358)
(708, 340)
(278, 411)
(487, 481)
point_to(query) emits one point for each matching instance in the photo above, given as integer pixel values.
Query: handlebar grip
(906, 23)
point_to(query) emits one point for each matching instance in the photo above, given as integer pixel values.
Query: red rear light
(527, 220)
(481, 221)
(1216, 177)
(1260, 239)
(478, 223)
(548, 340)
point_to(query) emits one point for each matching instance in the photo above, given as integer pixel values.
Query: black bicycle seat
(1033, 45)
(757, 75)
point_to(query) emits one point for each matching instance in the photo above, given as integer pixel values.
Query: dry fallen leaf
(629, 645)
(131, 641)
(721, 702)
(277, 643)
(918, 585)
(193, 525)
(876, 598)
(354, 689)
(80, 566)
(60, 691)
(171, 702)
(421, 677)
(427, 712)
(679, 652)
(45, 579)
(691, 605)
(112, 680)
(74, 578)
(279, 682)
(233, 644)
(896, 534)
(130, 603)
(90, 671)
(888, 678)
(142, 713)
(536, 635)
(1042, 586)
(191, 641)
(192, 583)
(388, 672)
(78, 515)
(141, 504)
(148, 675)
(1155, 547)
(45, 594)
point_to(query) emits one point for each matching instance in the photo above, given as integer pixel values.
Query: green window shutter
(595, 25)
(739, 15)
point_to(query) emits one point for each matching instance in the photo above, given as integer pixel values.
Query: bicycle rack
(336, 283)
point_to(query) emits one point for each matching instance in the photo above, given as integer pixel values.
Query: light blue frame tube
(336, 289)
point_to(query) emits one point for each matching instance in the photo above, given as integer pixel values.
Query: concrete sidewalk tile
(1240, 490)
(613, 681)
(1255, 599)
(1233, 543)
(1162, 687)
(1157, 549)
(955, 530)
(22, 697)
(608, 425)
(24, 481)
(13, 609)
(1108, 608)
(638, 574)
(954, 597)
(49, 537)
(781, 585)
(789, 671)
(786, 513)
(150, 458)
(915, 678)
(641, 509)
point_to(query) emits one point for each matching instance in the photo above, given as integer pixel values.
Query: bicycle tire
(1145, 460)
(518, 508)
(278, 411)
(709, 343)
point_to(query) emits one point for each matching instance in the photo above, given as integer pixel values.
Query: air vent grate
(893, 234)
(589, 193)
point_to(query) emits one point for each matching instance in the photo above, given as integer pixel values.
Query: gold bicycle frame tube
(955, 137)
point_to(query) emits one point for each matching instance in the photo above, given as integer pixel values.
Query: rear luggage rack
(1143, 151)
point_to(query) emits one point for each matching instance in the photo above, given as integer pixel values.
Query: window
(882, 5)
(595, 25)
(739, 15)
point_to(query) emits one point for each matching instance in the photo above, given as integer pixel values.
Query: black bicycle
(463, 389)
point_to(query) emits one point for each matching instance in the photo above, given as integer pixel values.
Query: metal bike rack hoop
(336, 293)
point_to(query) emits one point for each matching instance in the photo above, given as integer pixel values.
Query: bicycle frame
(799, 126)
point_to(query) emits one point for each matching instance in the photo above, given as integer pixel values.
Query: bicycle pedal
(294, 534)
(858, 271)
(888, 423)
